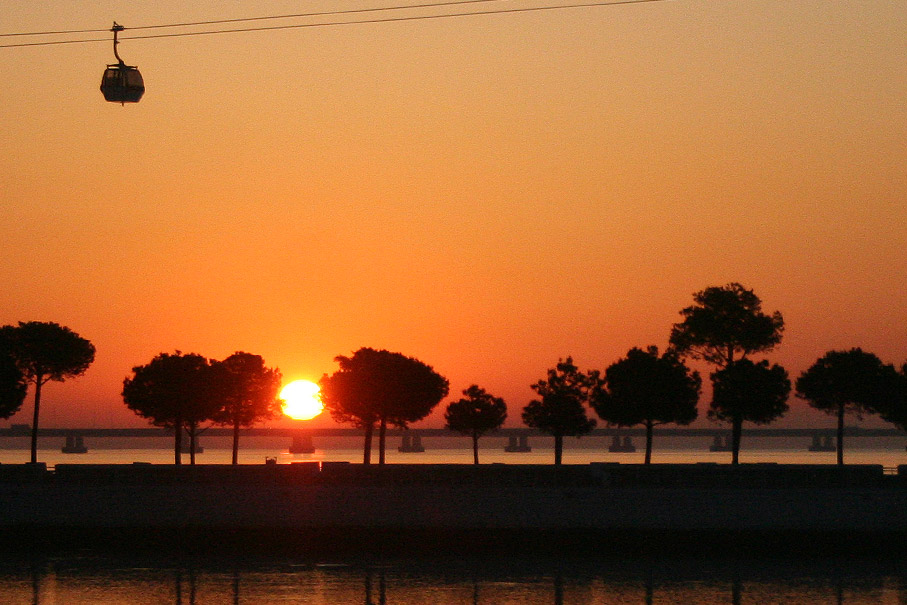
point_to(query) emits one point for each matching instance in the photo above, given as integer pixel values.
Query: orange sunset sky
(485, 193)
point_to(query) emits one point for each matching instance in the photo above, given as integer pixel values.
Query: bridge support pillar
(518, 445)
(412, 443)
(721, 444)
(625, 447)
(302, 445)
(823, 443)
(75, 444)
(185, 448)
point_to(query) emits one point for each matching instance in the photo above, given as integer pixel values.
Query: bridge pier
(521, 445)
(412, 443)
(185, 448)
(302, 445)
(720, 444)
(823, 443)
(624, 447)
(75, 444)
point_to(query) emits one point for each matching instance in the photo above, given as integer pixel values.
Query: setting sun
(301, 400)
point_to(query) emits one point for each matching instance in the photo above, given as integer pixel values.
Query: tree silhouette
(378, 386)
(476, 414)
(250, 393)
(13, 385)
(748, 392)
(894, 408)
(848, 382)
(177, 391)
(46, 351)
(646, 389)
(561, 410)
(724, 324)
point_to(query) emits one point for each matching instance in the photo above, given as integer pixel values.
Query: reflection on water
(103, 580)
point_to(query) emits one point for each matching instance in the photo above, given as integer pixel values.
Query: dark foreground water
(89, 578)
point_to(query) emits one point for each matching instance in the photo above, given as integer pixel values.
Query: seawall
(340, 505)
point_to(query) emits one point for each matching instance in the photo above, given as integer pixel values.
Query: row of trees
(176, 391)
(723, 327)
(374, 389)
(183, 391)
(647, 388)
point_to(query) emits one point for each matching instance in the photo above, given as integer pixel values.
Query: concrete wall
(595, 474)
(595, 497)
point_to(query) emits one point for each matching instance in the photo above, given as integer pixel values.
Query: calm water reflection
(74, 580)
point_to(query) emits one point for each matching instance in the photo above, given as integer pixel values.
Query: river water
(889, 452)
(610, 579)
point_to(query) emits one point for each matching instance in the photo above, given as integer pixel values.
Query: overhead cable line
(55, 33)
(341, 23)
(265, 18)
(322, 13)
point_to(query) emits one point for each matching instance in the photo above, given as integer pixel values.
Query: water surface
(89, 578)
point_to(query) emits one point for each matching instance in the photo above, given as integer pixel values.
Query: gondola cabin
(122, 83)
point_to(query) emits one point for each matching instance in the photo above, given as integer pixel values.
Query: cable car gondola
(121, 83)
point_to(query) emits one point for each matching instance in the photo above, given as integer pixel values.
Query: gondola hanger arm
(116, 29)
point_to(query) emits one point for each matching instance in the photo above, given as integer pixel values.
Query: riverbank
(718, 509)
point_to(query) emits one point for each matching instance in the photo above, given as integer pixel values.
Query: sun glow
(301, 400)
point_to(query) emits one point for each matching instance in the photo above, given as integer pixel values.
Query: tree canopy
(378, 386)
(894, 408)
(648, 389)
(250, 393)
(44, 352)
(726, 323)
(13, 386)
(175, 391)
(848, 382)
(561, 411)
(476, 414)
(748, 392)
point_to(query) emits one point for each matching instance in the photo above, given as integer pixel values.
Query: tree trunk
(382, 436)
(558, 449)
(192, 432)
(649, 426)
(236, 440)
(34, 424)
(558, 590)
(475, 448)
(367, 448)
(178, 441)
(841, 435)
(736, 591)
(736, 430)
